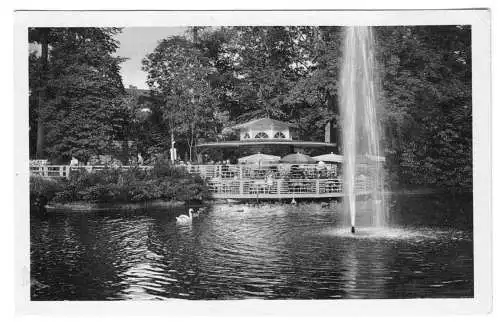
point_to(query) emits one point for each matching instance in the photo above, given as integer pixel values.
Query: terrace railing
(260, 172)
(50, 170)
(65, 170)
(281, 188)
(205, 171)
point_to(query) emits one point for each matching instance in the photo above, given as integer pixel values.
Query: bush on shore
(44, 189)
(163, 182)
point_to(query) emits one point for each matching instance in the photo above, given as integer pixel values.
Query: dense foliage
(426, 79)
(178, 77)
(76, 92)
(44, 189)
(212, 78)
(163, 182)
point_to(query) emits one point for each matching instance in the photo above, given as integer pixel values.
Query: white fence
(245, 181)
(281, 188)
(207, 171)
(65, 170)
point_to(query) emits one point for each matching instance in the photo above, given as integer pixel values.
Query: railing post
(68, 169)
(278, 186)
(317, 186)
(241, 186)
(61, 171)
(45, 171)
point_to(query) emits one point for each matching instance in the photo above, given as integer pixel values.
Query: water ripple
(243, 251)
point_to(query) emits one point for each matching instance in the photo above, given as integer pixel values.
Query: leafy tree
(178, 76)
(314, 96)
(146, 125)
(278, 72)
(83, 89)
(426, 81)
(37, 83)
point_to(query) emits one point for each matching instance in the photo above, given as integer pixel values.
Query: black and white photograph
(234, 160)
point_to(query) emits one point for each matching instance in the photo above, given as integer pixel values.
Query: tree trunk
(40, 133)
(190, 144)
(40, 139)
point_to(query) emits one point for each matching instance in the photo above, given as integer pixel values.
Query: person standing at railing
(74, 162)
(269, 181)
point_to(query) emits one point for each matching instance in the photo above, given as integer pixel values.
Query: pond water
(270, 252)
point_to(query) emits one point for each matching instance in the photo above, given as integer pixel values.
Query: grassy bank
(86, 206)
(114, 186)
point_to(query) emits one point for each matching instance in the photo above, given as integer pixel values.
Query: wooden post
(45, 171)
(241, 186)
(61, 171)
(317, 186)
(278, 186)
(68, 169)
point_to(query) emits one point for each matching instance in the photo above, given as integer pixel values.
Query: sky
(135, 43)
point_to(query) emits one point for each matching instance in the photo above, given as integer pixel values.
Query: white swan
(185, 218)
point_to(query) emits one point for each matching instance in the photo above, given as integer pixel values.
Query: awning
(262, 142)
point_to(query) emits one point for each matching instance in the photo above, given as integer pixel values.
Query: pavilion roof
(262, 121)
(256, 142)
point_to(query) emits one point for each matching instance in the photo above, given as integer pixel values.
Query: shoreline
(85, 206)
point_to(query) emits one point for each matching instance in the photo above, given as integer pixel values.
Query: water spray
(361, 133)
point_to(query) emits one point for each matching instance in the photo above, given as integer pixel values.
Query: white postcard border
(481, 78)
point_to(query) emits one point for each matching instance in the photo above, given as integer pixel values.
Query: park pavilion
(230, 174)
(266, 136)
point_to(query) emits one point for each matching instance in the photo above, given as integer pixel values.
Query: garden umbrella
(332, 158)
(259, 159)
(298, 158)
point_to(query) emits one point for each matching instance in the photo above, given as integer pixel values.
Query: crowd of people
(264, 179)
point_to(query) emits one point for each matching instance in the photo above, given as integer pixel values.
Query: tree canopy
(82, 87)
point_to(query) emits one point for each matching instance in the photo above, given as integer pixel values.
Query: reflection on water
(271, 252)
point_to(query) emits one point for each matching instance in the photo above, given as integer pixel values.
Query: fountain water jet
(360, 126)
